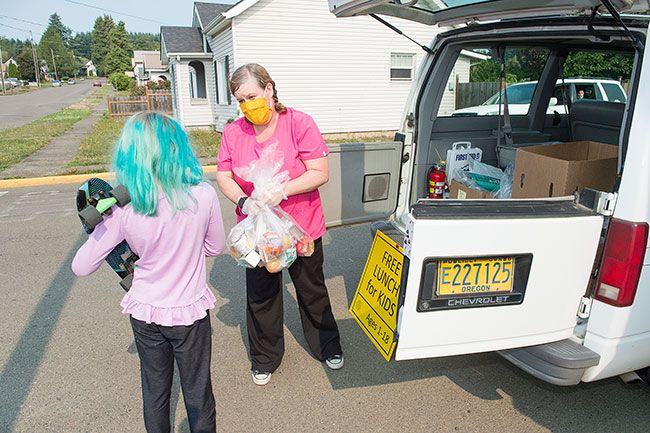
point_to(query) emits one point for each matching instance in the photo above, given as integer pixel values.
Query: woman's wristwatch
(242, 200)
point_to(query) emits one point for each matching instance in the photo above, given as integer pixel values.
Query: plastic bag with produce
(269, 237)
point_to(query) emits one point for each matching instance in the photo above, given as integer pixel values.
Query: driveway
(17, 110)
(68, 362)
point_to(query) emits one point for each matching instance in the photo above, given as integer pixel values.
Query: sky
(151, 15)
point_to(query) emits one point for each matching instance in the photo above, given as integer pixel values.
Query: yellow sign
(375, 303)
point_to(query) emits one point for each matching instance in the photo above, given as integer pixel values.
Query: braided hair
(261, 76)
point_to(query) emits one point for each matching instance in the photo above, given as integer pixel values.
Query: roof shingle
(209, 11)
(182, 39)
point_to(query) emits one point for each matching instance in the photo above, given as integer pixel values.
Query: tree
(62, 29)
(100, 41)
(81, 45)
(145, 41)
(52, 44)
(118, 58)
(25, 62)
(12, 71)
(598, 64)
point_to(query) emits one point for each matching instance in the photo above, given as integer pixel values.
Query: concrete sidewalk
(52, 158)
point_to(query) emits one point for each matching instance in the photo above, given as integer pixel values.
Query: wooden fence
(473, 94)
(129, 105)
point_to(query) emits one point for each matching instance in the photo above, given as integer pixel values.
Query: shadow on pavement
(22, 366)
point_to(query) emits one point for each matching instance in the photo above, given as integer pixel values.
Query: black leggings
(191, 347)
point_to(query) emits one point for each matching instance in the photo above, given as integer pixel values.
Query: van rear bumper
(618, 355)
(560, 362)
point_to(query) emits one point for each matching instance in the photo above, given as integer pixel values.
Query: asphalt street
(17, 110)
(68, 362)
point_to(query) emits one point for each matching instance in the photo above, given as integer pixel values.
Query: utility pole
(36, 74)
(54, 62)
(2, 72)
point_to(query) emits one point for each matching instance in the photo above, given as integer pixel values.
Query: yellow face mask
(256, 111)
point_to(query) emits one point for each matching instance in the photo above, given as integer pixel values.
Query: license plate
(475, 276)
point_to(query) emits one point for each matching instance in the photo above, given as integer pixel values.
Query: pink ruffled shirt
(300, 140)
(170, 284)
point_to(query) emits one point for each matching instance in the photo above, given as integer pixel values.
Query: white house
(89, 69)
(350, 74)
(4, 67)
(147, 66)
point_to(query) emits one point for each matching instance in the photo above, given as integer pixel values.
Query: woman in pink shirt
(267, 121)
(172, 223)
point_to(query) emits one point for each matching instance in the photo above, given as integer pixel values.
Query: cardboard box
(458, 190)
(556, 170)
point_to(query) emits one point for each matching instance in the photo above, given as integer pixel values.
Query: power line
(20, 19)
(112, 11)
(15, 28)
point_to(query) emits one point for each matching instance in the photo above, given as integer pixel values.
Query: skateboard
(96, 198)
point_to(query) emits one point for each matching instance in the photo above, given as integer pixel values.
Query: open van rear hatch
(452, 12)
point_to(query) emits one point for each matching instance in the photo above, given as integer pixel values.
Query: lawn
(18, 143)
(97, 147)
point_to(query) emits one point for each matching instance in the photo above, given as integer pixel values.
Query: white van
(578, 308)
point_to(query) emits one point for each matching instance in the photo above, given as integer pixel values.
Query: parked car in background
(56, 83)
(72, 81)
(520, 95)
(12, 82)
(82, 79)
(97, 84)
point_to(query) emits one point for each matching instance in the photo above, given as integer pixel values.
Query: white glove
(272, 198)
(252, 206)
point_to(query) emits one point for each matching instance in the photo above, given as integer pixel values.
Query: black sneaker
(261, 378)
(335, 362)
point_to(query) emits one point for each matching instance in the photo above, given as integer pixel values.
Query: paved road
(68, 363)
(20, 109)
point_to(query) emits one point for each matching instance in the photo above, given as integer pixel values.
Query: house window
(222, 76)
(401, 66)
(197, 80)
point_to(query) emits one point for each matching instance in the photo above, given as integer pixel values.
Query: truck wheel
(90, 217)
(121, 194)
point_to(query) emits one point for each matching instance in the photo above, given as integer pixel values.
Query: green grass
(18, 143)
(205, 143)
(97, 147)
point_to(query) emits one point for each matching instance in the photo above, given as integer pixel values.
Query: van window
(473, 85)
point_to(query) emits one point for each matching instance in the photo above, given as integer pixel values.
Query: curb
(68, 179)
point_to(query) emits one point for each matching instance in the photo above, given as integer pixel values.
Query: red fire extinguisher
(437, 179)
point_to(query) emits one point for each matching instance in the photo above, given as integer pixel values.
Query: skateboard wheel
(90, 216)
(121, 194)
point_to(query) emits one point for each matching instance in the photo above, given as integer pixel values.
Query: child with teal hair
(172, 223)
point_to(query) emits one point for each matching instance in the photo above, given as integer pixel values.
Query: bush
(121, 81)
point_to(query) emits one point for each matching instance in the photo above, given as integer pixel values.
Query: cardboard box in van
(558, 170)
(461, 191)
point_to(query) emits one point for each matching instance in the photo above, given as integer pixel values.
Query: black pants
(264, 313)
(191, 347)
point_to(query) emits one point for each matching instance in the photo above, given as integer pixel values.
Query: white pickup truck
(579, 300)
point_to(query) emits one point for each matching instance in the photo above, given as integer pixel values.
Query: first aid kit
(458, 157)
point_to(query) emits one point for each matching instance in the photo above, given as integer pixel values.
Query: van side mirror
(553, 101)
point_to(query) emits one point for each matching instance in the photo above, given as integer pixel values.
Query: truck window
(474, 83)
(589, 68)
(614, 92)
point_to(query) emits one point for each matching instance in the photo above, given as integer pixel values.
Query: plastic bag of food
(270, 237)
(505, 183)
(241, 243)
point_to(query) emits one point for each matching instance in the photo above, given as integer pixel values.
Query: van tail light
(622, 262)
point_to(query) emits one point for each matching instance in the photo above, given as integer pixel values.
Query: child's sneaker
(335, 362)
(260, 378)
